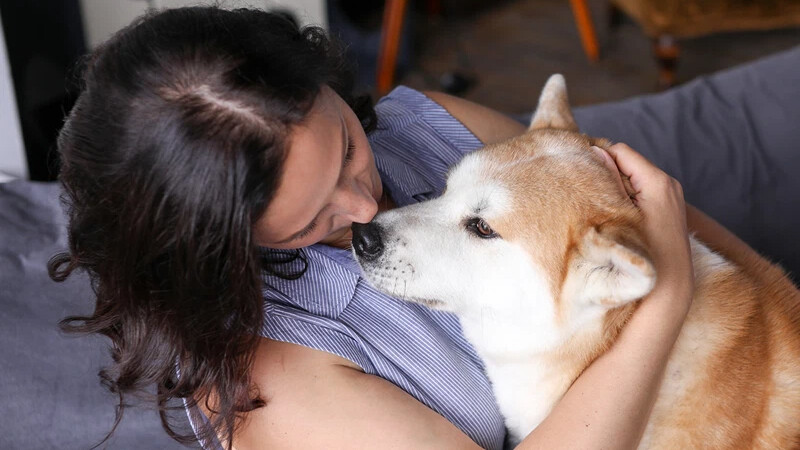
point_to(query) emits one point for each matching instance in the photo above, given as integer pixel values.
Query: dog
(543, 259)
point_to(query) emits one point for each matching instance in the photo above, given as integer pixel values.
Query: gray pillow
(733, 141)
(48, 382)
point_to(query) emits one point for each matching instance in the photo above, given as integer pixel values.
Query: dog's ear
(553, 110)
(607, 272)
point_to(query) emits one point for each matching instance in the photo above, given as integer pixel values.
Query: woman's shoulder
(449, 114)
(410, 115)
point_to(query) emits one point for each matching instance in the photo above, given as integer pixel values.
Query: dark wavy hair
(172, 152)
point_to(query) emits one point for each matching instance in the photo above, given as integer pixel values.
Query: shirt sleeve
(438, 119)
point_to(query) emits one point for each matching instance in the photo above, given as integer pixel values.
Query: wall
(12, 152)
(103, 17)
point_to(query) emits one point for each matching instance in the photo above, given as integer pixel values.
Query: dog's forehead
(470, 169)
(540, 144)
(521, 155)
(473, 185)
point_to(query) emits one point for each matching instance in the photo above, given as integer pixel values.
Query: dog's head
(532, 232)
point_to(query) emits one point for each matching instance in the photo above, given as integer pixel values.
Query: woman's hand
(660, 197)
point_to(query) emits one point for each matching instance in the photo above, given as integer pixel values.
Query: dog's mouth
(430, 303)
(398, 287)
(395, 277)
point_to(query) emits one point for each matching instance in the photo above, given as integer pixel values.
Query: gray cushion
(733, 141)
(51, 397)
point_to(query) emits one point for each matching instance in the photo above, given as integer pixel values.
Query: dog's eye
(484, 228)
(481, 228)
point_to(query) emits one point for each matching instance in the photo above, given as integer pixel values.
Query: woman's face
(329, 180)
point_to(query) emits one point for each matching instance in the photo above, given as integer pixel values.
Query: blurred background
(497, 53)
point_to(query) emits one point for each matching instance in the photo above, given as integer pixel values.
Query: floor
(512, 47)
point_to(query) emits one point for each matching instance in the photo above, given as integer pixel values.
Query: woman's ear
(553, 110)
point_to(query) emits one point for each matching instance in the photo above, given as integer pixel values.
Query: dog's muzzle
(367, 241)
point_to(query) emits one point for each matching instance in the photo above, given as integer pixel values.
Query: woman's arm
(488, 125)
(315, 399)
(608, 406)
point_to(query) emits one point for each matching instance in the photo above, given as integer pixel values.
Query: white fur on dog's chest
(526, 393)
(510, 328)
(526, 386)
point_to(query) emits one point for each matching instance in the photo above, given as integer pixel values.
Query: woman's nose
(355, 203)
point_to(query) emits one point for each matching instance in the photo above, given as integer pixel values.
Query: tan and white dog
(543, 259)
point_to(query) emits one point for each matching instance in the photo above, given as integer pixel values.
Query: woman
(209, 145)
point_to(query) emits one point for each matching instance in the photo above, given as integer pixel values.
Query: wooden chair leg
(583, 19)
(666, 52)
(615, 16)
(393, 15)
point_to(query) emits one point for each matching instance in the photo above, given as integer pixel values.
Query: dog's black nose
(367, 240)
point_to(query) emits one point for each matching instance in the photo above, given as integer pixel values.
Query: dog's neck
(540, 372)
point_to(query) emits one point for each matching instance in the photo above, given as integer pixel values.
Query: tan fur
(733, 379)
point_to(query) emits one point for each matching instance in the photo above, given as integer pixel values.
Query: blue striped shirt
(331, 308)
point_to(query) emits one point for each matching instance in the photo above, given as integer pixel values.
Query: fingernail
(602, 154)
(599, 150)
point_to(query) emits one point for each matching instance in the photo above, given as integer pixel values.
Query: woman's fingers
(628, 159)
(660, 198)
(645, 177)
(653, 186)
(636, 167)
(612, 166)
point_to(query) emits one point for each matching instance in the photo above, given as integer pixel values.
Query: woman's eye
(348, 155)
(309, 229)
(481, 228)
